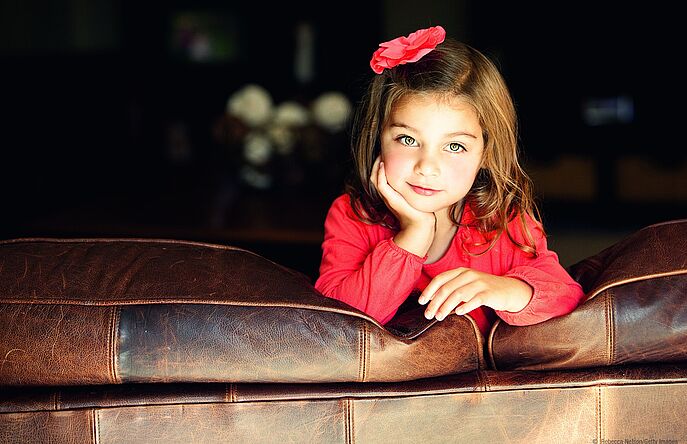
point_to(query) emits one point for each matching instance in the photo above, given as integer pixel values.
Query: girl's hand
(417, 227)
(404, 212)
(464, 289)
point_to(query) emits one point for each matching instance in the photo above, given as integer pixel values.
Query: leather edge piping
(113, 303)
(595, 292)
(490, 344)
(481, 361)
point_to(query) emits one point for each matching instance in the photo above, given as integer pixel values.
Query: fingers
(375, 170)
(449, 290)
(435, 284)
(391, 197)
(429, 293)
(382, 184)
(397, 204)
(463, 300)
(466, 307)
(378, 179)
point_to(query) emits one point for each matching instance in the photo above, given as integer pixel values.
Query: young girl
(439, 202)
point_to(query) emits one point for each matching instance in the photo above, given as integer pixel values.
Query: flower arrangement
(290, 144)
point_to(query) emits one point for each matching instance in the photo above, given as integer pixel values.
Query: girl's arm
(555, 292)
(522, 289)
(367, 272)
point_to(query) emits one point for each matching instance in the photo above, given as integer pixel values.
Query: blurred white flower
(331, 110)
(283, 137)
(291, 114)
(252, 104)
(257, 148)
(284, 143)
(255, 178)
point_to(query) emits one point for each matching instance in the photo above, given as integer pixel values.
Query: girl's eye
(455, 147)
(406, 140)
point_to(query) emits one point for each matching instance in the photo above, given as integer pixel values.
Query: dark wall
(90, 110)
(91, 92)
(556, 56)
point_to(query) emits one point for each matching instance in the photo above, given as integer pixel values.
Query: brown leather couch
(143, 340)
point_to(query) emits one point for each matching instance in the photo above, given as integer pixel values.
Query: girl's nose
(427, 165)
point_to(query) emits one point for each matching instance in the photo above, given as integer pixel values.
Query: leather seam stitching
(96, 426)
(351, 416)
(612, 331)
(114, 321)
(599, 413)
(345, 419)
(366, 346)
(360, 352)
(110, 347)
(614, 343)
(346, 422)
(349, 421)
(608, 330)
(230, 393)
(480, 382)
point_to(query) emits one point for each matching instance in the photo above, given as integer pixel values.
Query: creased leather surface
(636, 310)
(50, 344)
(106, 311)
(624, 402)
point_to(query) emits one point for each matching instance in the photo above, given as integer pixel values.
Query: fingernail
(428, 315)
(422, 301)
(440, 317)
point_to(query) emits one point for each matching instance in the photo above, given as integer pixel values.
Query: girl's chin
(427, 207)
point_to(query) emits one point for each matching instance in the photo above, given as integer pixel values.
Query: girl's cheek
(394, 171)
(396, 161)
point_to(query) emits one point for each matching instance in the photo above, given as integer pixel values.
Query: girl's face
(432, 149)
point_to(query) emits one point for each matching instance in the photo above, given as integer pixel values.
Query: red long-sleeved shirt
(363, 267)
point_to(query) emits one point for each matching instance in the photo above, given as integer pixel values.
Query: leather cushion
(103, 311)
(635, 311)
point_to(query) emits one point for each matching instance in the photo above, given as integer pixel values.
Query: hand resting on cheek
(417, 227)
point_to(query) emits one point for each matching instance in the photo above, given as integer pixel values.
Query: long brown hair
(502, 190)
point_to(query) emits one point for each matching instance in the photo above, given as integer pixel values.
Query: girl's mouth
(423, 191)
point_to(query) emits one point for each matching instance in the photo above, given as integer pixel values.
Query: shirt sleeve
(375, 278)
(555, 292)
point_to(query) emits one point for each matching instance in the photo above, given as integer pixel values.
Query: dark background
(92, 89)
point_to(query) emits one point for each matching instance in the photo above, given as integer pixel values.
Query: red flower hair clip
(406, 49)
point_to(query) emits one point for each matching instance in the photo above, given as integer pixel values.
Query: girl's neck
(444, 222)
(443, 235)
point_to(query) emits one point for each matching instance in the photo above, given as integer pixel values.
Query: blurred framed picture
(204, 36)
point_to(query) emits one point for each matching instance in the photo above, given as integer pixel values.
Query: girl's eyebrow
(457, 133)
